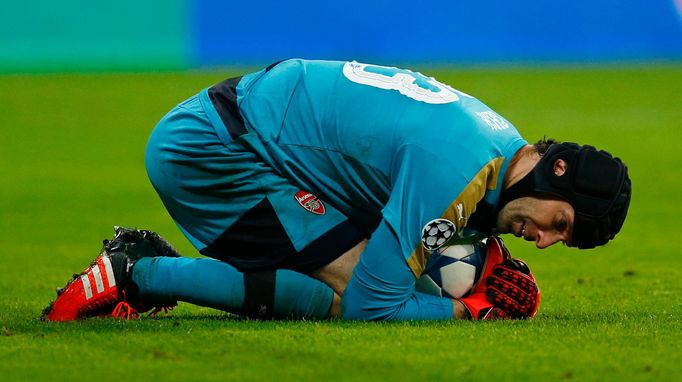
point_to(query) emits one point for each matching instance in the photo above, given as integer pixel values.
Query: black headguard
(595, 183)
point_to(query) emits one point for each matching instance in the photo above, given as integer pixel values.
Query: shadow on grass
(208, 321)
(221, 321)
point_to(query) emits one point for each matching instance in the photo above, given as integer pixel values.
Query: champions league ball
(451, 271)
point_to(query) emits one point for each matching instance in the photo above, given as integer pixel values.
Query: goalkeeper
(306, 165)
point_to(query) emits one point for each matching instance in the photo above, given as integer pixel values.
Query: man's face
(542, 220)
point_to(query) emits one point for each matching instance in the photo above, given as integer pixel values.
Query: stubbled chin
(501, 227)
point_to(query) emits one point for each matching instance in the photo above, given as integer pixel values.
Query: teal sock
(216, 284)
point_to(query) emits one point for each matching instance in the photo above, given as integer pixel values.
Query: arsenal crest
(310, 202)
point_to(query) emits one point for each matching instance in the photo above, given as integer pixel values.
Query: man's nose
(545, 239)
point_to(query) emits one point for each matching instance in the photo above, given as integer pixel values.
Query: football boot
(106, 288)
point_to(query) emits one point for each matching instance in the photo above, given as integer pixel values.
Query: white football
(451, 271)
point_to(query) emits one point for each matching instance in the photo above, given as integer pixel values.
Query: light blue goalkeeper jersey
(389, 148)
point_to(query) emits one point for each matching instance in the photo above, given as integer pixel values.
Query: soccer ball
(451, 271)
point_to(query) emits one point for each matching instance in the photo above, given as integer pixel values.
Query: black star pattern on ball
(436, 233)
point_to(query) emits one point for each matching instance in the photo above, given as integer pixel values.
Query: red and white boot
(105, 288)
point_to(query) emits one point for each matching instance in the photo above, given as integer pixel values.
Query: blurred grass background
(71, 149)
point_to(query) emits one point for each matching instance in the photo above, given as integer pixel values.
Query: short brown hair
(543, 144)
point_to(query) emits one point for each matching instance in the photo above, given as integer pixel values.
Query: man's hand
(513, 289)
(506, 289)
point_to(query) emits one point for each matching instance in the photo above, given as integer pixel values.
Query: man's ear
(560, 167)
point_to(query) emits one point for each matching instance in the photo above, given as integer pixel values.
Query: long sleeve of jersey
(382, 286)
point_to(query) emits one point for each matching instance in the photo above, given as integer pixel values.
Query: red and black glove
(506, 288)
(513, 289)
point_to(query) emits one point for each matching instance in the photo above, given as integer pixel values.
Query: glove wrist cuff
(477, 306)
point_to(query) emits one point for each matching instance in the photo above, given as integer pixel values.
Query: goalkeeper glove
(506, 288)
(513, 289)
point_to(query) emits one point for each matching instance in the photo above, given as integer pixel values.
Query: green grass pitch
(71, 167)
